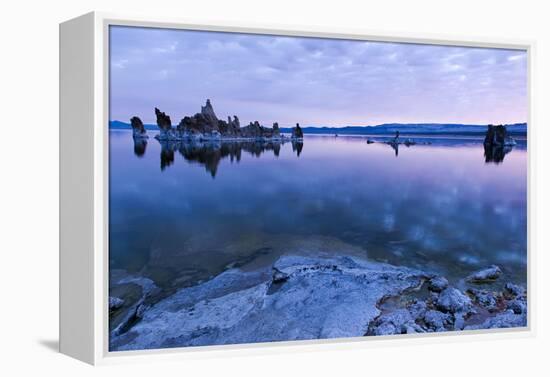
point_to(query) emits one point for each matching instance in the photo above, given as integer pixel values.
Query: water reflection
(209, 154)
(495, 154)
(140, 145)
(297, 147)
(437, 207)
(395, 147)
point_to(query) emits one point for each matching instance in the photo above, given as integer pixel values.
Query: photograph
(272, 188)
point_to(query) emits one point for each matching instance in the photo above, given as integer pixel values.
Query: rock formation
(208, 112)
(276, 130)
(297, 132)
(163, 121)
(487, 274)
(498, 136)
(137, 128)
(314, 297)
(206, 126)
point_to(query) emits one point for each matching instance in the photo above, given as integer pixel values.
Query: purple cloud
(312, 80)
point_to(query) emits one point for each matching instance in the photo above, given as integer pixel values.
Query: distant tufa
(297, 132)
(206, 126)
(497, 136)
(138, 130)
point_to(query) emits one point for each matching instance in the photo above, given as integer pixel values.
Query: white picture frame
(84, 45)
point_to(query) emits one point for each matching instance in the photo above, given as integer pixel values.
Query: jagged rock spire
(163, 121)
(208, 111)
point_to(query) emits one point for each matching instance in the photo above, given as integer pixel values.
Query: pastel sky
(312, 81)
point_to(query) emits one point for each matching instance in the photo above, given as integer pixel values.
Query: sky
(311, 81)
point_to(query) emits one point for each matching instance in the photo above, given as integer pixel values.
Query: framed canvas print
(233, 187)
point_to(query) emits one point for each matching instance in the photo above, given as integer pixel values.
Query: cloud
(121, 64)
(171, 47)
(312, 80)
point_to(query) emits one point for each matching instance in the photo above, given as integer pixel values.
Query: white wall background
(29, 186)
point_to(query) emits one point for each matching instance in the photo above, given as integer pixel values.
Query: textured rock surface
(437, 284)
(486, 275)
(484, 298)
(502, 320)
(208, 112)
(205, 126)
(513, 290)
(452, 300)
(397, 322)
(115, 303)
(305, 297)
(318, 298)
(437, 321)
(163, 121)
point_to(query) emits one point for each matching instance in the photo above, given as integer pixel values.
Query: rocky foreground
(312, 298)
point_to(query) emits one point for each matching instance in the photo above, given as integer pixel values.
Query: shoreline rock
(485, 275)
(296, 301)
(318, 297)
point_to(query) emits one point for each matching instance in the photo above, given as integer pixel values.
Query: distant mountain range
(118, 125)
(382, 129)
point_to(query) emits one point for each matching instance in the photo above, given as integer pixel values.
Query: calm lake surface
(182, 214)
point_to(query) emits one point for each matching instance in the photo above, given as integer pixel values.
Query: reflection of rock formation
(209, 154)
(140, 145)
(395, 142)
(297, 147)
(166, 157)
(395, 147)
(495, 153)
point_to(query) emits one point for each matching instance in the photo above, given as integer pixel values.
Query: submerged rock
(279, 276)
(115, 303)
(486, 275)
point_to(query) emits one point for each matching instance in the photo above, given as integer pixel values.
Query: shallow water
(180, 214)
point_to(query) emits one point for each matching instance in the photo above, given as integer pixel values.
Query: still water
(180, 214)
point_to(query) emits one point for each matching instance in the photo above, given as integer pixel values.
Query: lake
(181, 214)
